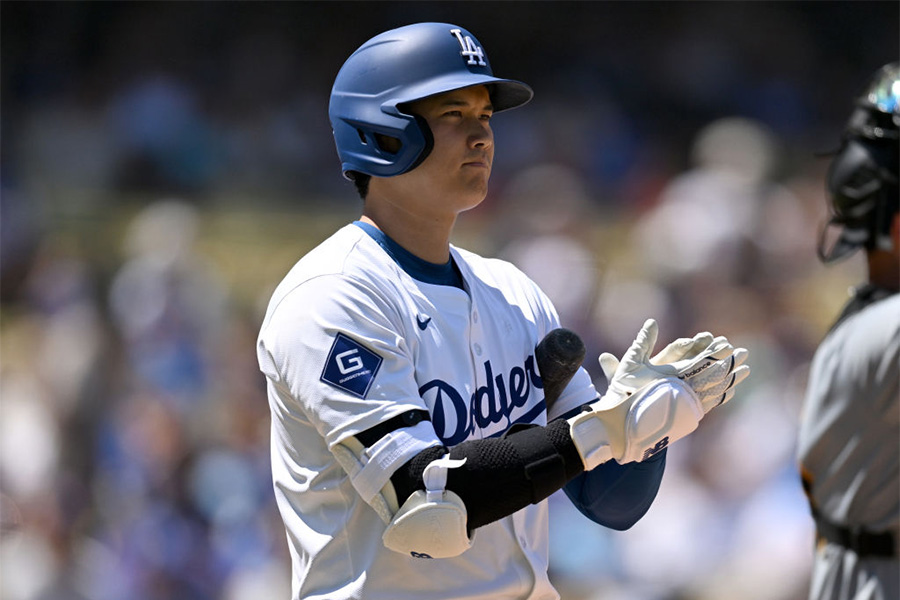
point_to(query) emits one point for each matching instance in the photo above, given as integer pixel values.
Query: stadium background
(163, 165)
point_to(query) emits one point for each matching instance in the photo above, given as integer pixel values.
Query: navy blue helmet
(863, 176)
(397, 67)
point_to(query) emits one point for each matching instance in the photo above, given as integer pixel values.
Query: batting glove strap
(632, 428)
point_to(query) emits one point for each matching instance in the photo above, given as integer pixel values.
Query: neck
(424, 234)
(884, 269)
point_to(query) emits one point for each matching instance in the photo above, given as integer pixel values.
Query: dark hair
(361, 181)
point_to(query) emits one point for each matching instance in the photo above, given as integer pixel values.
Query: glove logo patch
(659, 447)
(350, 366)
(697, 370)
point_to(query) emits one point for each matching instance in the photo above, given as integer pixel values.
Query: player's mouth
(478, 162)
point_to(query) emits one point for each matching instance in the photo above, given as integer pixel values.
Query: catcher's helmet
(397, 67)
(862, 179)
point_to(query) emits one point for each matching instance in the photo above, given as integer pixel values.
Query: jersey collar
(421, 270)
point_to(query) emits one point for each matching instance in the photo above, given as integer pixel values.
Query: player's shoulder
(344, 264)
(488, 269)
(882, 316)
(874, 330)
(495, 275)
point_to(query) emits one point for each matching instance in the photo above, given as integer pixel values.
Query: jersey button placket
(476, 336)
(476, 351)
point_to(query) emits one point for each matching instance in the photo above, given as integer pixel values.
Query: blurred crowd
(675, 179)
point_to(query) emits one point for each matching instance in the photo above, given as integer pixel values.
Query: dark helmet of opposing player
(397, 67)
(863, 176)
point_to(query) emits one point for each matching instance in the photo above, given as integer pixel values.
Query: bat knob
(558, 356)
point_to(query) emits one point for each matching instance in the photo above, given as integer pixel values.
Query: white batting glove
(684, 348)
(651, 405)
(711, 366)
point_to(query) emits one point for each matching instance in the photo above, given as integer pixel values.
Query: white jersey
(349, 340)
(848, 448)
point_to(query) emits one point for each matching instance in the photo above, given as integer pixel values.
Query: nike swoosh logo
(423, 323)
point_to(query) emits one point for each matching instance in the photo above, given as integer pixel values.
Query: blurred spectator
(165, 139)
(726, 218)
(167, 302)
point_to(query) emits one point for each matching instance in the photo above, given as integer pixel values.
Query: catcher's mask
(862, 179)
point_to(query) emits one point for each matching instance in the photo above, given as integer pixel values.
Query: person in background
(848, 449)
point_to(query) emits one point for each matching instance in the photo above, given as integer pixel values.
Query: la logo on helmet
(469, 49)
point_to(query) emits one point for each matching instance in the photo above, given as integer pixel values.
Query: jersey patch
(350, 366)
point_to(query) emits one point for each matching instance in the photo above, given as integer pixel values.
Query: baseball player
(851, 415)
(413, 447)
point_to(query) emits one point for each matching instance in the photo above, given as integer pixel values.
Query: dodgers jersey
(848, 447)
(350, 339)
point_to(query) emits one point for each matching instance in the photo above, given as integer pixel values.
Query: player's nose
(481, 136)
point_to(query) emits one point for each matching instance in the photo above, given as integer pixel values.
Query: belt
(857, 539)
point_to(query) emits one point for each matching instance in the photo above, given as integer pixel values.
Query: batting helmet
(397, 67)
(862, 179)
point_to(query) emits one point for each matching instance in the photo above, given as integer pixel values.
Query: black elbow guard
(547, 456)
(501, 475)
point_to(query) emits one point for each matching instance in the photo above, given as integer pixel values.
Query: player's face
(459, 165)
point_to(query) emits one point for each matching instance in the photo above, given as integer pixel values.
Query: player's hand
(710, 366)
(685, 348)
(647, 405)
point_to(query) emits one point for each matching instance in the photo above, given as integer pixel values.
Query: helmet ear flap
(428, 139)
(381, 150)
(394, 149)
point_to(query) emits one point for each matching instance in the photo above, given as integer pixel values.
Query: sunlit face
(457, 170)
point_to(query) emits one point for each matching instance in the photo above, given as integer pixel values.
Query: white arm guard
(634, 427)
(351, 455)
(431, 523)
(370, 469)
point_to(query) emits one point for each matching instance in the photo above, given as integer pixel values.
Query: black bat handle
(558, 356)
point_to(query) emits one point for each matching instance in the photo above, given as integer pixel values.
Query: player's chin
(474, 194)
(479, 186)
(476, 174)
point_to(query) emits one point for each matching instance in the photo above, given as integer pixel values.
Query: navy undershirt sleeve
(614, 495)
(617, 496)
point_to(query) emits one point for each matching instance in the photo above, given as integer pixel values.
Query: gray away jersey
(849, 447)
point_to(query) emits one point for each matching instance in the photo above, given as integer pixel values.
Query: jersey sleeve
(335, 356)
